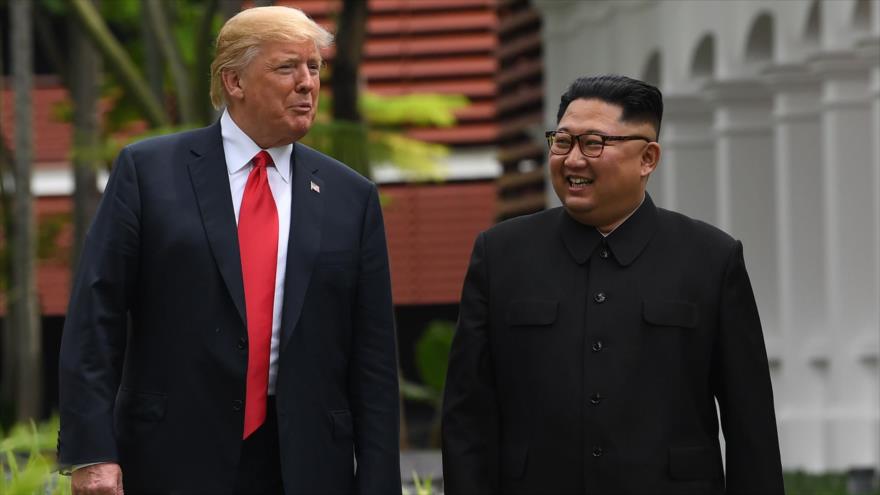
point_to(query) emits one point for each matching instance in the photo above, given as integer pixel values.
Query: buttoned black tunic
(584, 364)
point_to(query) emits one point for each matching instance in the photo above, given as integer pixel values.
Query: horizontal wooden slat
(520, 205)
(432, 68)
(519, 46)
(519, 151)
(431, 45)
(522, 69)
(472, 88)
(517, 180)
(486, 133)
(518, 20)
(531, 97)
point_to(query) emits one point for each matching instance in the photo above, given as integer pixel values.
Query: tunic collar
(626, 242)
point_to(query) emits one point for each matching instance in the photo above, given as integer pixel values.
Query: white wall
(779, 144)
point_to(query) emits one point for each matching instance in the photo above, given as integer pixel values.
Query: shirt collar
(625, 242)
(240, 149)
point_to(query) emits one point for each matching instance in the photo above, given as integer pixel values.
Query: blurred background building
(771, 131)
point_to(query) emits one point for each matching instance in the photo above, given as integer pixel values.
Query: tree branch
(119, 61)
(158, 19)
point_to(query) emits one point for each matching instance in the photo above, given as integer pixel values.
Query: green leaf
(420, 109)
(432, 353)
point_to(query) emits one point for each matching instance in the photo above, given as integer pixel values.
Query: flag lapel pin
(314, 187)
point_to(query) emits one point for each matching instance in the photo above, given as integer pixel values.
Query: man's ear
(232, 84)
(650, 158)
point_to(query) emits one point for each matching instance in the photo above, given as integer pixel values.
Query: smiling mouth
(578, 182)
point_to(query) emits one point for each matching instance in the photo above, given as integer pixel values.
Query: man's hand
(98, 479)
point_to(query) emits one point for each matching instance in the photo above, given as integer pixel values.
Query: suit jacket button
(242, 343)
(597, 346)
(597, 452)
(237, 405)
(599, 297)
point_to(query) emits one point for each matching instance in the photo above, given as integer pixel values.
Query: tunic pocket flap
(342, 424)
(527, 312)
(670, 313)
(694, 463)
(514, 461)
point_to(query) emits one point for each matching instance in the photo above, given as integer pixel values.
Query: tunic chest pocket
(531, 312)
(670, 313)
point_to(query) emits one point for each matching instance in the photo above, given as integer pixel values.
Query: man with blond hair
(230, 326)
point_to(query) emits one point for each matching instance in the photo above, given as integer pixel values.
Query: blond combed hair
(239, 40)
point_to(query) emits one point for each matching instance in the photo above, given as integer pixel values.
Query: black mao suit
(165, 397)
(591, 365)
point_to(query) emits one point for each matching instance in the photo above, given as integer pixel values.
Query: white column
(801, 396)
(850, 257)
(869, 50)
(687, 172)
(746, 190)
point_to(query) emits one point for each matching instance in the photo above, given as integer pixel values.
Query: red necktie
(258, 241)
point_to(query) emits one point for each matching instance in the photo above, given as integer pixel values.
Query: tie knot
(262, 159)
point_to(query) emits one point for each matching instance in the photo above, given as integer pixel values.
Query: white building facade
(771, 131)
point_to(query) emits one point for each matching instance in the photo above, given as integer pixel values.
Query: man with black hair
(594, 339)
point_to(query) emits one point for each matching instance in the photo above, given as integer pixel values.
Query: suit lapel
(306, 218)
(210, 179)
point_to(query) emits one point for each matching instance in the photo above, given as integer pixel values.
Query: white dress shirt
(239, 150)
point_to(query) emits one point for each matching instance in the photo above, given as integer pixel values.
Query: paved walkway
(427, 464)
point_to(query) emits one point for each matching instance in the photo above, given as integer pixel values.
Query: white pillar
(850, 256)
(803, 285)
(746, 191)
(869, 50)
(687, 172)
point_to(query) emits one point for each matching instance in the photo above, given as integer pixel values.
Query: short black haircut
(640, 101)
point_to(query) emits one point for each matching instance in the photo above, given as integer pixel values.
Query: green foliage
(48, 229)
(431, 358)
(800, 483)
(423, 486)
(432, 353)
(47, 234)
(422, 109)
(380, 140)
(25, 468)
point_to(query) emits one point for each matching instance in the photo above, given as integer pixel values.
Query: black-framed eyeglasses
(590, 144)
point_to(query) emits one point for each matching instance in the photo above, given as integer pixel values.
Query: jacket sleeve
(470, 426)
(743, 388)
(373, 385)
(93, 339)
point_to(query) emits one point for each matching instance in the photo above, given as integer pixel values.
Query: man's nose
(305, 82)
(574, 157)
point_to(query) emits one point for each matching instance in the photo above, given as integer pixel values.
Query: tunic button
(597, 452)
(242, 343)
(597, 346)
(237, 405)
(603, 254)
(596, 399)
(599, 297)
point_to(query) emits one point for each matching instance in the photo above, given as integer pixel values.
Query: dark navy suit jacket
(154, 358)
